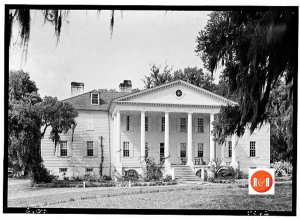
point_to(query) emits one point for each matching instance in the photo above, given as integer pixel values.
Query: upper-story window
(200, 125)
(95, 99)
(252, 149)
(127, 123)
(183, 125)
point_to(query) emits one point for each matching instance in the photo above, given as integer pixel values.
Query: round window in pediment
(178, 93)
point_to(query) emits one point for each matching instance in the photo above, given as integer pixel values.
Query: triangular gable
(166, 94)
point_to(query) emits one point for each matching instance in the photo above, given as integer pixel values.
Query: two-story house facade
(171, 123)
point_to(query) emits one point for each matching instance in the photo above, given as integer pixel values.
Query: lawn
(206, 196)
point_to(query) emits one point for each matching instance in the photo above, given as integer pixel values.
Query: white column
(142, 136)
(233, 162)
(167, 139)
(118, 138)
(190, 141)
(211, 139)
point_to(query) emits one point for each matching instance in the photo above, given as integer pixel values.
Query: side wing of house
(82, 154)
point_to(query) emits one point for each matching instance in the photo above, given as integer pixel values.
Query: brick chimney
(126, 86)
(77, 88)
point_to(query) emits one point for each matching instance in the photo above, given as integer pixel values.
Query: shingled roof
(83, 101)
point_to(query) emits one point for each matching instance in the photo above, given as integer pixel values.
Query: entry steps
(184, 174)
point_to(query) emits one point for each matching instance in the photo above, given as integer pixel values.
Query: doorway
(162, 153)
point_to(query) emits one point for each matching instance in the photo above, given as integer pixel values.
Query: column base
(234, 164)
(118, 171)
(168, 170)
(190, 164)
(223, 163)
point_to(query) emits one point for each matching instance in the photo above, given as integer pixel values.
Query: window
(252, 148)
(146, 123)
(146, 149)
(200, 125)
(63, 170)
(95, 99)
(163, 124)
(200, 150)
(182, 124)
(63, 149)
(89, 170)
(90, 148)
(127, 123)
(126, 149)
(229, 148)
(182, 149)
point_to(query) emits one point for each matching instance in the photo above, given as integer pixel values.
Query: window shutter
(150, 128)
(131, 153)
(139, 123)
(159, 120)
(149, 149)
(204, 125)
(58, 150)
(123, 123)
(248, 149)
(95, 148)
(196, 149)
(178, 149)
(257, 149)
(196, 125)
(131, 123)
(226, 149)
(178, 124)
(70, 150)
(84, 149)
(122, 147)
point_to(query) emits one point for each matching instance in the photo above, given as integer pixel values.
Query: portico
(178, 127)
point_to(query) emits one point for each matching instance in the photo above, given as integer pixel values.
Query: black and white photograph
(150, 109)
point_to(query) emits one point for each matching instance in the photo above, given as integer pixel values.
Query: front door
(162, 153)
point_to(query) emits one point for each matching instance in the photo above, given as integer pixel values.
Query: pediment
(178, 92)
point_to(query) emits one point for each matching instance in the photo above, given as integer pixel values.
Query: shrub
(168, 178)
(226, 173)
(216, 167)
(282, 168)
(131, 175)
(90, 177)
(104, 177)
(153, 172)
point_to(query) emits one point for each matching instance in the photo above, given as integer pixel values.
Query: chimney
(126, 86)
(77, 88)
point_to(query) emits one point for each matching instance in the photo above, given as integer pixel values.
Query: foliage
(282, 168)
(131, 175)
(226, 173)
(255, 48)
(281, 122)
(27, 113)
(39, 174)
(153, 171)
(90, 177)
(216, 167)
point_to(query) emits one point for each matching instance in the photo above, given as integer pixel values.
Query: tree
(193, 75)
(27, 114)
(256, 48)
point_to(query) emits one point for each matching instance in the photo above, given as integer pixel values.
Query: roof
(83, 101)
(130, 96)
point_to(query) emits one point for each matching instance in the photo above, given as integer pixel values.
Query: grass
(208, 196)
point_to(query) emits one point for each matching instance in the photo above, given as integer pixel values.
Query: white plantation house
(170, 123)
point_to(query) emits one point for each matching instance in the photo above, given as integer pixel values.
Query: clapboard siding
(80, 136)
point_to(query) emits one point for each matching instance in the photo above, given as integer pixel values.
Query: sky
(86, 51)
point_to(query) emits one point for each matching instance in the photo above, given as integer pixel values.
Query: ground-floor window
(90, 148)
(252, 149)
(182, 149)
(63, 170)
(63, 149)
(200, 150)
(125, 149)
(89, 170)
